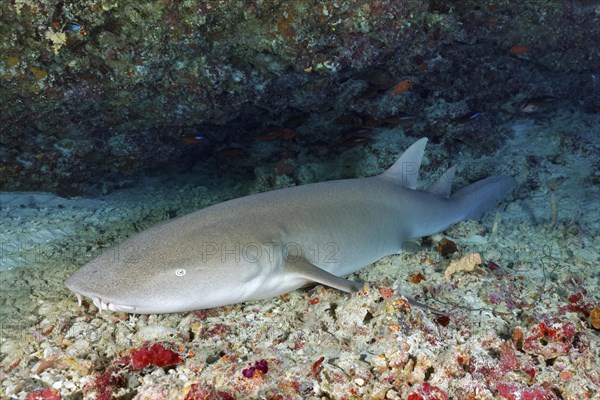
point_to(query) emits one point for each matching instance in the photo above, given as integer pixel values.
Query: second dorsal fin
(443, 186)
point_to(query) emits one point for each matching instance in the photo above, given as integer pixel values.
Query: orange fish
(402, 119)
(369, 93)
(287, 134)
(192, 139)
(519, 50)
(283, 133)
(356, 141)
(492, 22)
(371, 123)
(359, 133)
(269, 136)
(358, 137)
(401, 87)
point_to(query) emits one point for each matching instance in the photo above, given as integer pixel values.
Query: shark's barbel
(267, 244)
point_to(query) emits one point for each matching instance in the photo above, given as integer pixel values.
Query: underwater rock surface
(111, 88)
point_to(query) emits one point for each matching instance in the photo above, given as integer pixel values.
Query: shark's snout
(105, 305)
(102, 304)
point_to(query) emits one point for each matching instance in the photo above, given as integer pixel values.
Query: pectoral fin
(306, 270)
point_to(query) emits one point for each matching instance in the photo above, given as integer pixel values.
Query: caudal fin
(476, 199)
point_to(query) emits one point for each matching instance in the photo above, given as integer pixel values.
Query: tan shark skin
(267, 244)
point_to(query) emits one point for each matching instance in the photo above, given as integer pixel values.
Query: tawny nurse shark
(267, 244)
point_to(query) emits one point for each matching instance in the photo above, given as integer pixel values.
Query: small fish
(401, 119)
(493, 22)
(73, 27)
(529, 108)
(369, 93)
(268, 136)
(466, 118)
(519, 50)
(406, 117)
(371, 123)
(542, 99)
(535, 104)
(282, 133)
(401, 87)
(192, 139)
(288, 134)
(358, 133)
(356, 141)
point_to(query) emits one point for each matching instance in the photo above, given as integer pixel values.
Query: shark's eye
(180, 272)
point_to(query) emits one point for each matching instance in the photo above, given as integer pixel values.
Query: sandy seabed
(523, 324)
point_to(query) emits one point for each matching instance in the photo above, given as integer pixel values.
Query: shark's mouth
(103, 305)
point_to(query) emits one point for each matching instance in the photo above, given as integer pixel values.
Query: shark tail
(475, 200)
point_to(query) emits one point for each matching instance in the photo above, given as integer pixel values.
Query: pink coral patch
(428, 392)
(550, 339)
(511, 391)
(43, 394)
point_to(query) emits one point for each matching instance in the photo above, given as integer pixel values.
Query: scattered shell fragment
(595, 317)
(467, 263)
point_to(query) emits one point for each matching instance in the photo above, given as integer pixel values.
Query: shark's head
(120, 285)
(140, 276)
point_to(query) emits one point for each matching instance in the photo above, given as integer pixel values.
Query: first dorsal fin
(406, 170)
(443, 186)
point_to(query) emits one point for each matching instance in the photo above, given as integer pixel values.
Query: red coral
(43, 394)
(155, 354)
(248, 372)
(530, 371)
(578, 304)
(576, 298)
(261, 365)
(316, 368)
(428, 392)
(113, 378)
(511, 391)
(443, 320)
(206, 393)
(550, 339)
(508, 358)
